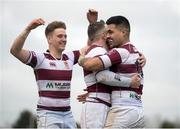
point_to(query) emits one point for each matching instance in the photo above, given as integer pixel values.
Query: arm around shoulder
(91, 64)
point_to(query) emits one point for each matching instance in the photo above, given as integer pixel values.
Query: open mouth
(62, 43)
(109, 42)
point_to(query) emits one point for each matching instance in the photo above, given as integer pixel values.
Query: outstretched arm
(17, 47)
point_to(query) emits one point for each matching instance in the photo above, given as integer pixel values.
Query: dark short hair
(54, 25)
(119, 21)
(94, 28)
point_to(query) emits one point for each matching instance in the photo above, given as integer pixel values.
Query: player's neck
(99, 42)
(55, 53)
(124, 42)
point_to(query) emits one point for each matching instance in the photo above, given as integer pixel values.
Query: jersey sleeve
(72, 56)
(112, 79)
(35, 59)
(114, 56)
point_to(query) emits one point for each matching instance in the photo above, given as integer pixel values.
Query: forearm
(91, 64)
(112, 79)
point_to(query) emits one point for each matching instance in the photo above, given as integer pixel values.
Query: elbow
(99, 78)
(12, 51)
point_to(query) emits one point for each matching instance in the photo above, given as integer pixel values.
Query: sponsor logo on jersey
(49, 85)
(117, 77)
(133, 95)
(52, 64)
(59, 85)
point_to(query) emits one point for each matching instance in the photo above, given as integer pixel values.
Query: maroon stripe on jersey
(48, 56)
(45, 74)
(127, 68)
(101, 88)
(114, 56)
(99, 101)
(67, 108)
(55, 94)
(64, 57)
(76, 56)
(102, 62)
(137, 90)
(87, 72)
(131, 48)
(33, 61)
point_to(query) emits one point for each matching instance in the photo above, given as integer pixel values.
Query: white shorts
(93, 115)
(125, 117)
(55, 119)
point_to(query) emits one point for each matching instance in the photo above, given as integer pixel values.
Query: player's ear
(49, 38)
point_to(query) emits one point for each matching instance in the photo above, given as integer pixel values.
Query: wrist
(27, 29)
(80, 60)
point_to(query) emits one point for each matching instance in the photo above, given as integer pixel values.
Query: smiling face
(57, 39)
(118, 31)
(115, 36)
(56, 36)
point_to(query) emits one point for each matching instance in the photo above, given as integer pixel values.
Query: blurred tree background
(26, 120)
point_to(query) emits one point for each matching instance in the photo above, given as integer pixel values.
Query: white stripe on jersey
(90, 79)
(53, 102)
(123, 98)
(123, 53)
(58, 65)
(106, 61)
(132, 58)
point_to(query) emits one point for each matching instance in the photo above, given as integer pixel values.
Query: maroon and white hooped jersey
(53, 78)
(124, 62)
(97, 92)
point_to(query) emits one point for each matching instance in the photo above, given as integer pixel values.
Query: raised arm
(17, 46)
(92, 16)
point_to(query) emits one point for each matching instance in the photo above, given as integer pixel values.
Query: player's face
(114, 36)
(58, 39)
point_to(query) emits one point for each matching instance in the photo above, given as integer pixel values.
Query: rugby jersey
(97, 92)
(123, 61)
(53, 79)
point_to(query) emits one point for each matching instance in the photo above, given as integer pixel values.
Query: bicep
(23, 55)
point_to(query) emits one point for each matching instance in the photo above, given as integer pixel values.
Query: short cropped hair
(94, 29)
(119, 21)
(54, 25)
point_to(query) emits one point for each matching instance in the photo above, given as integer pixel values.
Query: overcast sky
(155, 30)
